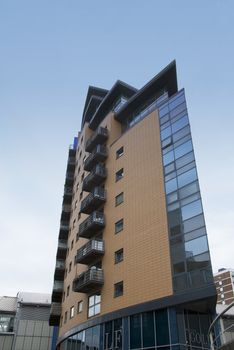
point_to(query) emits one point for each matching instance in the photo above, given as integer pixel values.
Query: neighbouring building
(24, 322)
(133, 268)
(224, 282)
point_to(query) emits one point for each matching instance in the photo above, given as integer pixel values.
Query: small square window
(119, 256)
(118, 289)
(119, 226)
(70, 266)
(74, 223)
(82, 177)
(81, 195)
(80, 307)
(68, 291)
(72, 244)
(72, 312)
(65, 317)
(79, 215)
(119, 199)
(119, 152)
(220, 283)
(76, 204)
(119, 175)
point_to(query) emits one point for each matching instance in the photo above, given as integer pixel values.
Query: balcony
(55, 313)
(90, 251)
(93, 200)
(99, 137)
(90, 281)
(63, 230)
(99, 154)
(62, 250)
(69, 178)
(66, 212)
(67, 195)
(59, 270)
(57, 291)
(94, 223)
(95, 178)
(71, 163)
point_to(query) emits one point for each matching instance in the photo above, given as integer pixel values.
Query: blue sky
(50, 52)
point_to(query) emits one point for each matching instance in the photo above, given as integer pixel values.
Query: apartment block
(224, 282)
(133, 268)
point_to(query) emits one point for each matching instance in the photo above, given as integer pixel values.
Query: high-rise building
(133, 268)
(224, 282)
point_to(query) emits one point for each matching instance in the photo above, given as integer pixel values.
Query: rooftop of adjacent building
(223, 270)
(9, 304)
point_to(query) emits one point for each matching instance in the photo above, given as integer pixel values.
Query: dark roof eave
(166, 79)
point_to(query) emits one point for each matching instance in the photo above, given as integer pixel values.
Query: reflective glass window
(135, 331)
(192, 209)
(177, 110)
(196, 246)
(162, 329)
(194, 223)
(168, 158)
(190, 199)
(183, 140)
(198, 262)
(164, 119)
(172, 197)
(179, 124)
(166, 142)
(176, 102)
(186, 159)
(167, 149)
(148, 329)
(165, 133)
(169, 168)
(171, 186)
(181, 133)
(179, 267)
(195, 234)
(177, 252)
(174, 218)
(165, 125)
(186, 168)
(189, 190)
(186, 178)
(183, 149)
(170, 176)
(108, 335)
(180, 282)
(173, 206)
(163, 110)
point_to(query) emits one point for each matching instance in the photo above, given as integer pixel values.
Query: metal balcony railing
(69, 178)
(89, 281)
(99, 154)
(98, 137)
(95, 178)
(55, 313)
(93, 200)
(59, 269)
(90, 251)
(58, 286)
(221, 333)
(94, 223)
(62, 249)
(63, 230)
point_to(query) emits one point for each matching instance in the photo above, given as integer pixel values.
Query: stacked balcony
(99, 154)
(90, 252)
(93, 201)
(69, 178)
(59, 270)
(93, 224)
(99, 137)
(62, 249)
(57, 291)
(95, 177)
(67, 195)
(55, 313)
(63, 230)
(90, 281)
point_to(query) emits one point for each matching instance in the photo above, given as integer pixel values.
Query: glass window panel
(148, 329)
(174, 217)
(91, 311)
(172, 197)
(186, 168)
(180, 282)
(97, 298)
(97, 309)
(179, 124)
(173, 206)
(186, 159)
(196, 246)
(171, 185)
(172, 104)
(170, 176)
(91, 300)
(166, 142)
(177, 110)
(165, 125)
(168, 158)
(198, 262)
(173, 326)
(164, 119)
(191, 198)
(167, 149)
(108, 335)
(162, 329)
(192, 209)
(177, 252)
(165, 133)
(169, 168)
(195, 234)
(194, 223)
(163, 110)
(188, 190)
(183, 149)
(135, 332)
(179, 268)
(181, 133)
(186, 178)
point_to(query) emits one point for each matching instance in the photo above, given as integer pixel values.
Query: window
(119, 256)
(70, 265)
(72, 312)
(82, 177)
(74, 223)
(80, 307)
(119, 175)
(118, 289)
(65, 317)
(79, 215)
(94, 305)
(68, 290)
(61, 321)
(77, 186)
(81, 195)
(119, 199)
(119, 226)
(76, 204)
(72, 244)
(119, 152)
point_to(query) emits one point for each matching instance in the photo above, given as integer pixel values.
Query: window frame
(122, 227)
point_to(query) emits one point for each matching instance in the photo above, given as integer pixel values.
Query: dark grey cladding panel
(29, 312)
